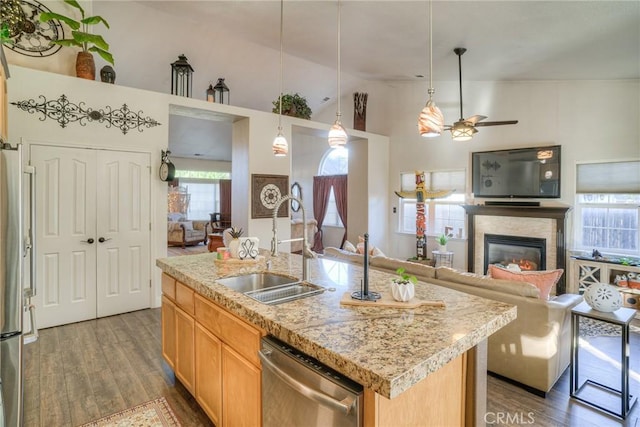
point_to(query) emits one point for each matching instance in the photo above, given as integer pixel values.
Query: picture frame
(266, 190)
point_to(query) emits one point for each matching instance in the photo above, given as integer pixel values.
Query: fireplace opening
(524, 253)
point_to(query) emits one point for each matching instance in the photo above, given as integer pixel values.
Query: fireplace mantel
(557, 213)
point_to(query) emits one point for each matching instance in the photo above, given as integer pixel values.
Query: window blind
(445, 180)
(610, 177)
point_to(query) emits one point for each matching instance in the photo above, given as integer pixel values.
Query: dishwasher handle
(345, 405)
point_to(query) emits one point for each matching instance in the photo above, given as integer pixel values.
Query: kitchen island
(422, 360)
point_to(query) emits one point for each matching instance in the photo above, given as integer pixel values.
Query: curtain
(225, 202)
(321, 190)
(340, 193)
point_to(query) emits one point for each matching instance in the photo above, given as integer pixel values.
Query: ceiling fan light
(462, 131)
(280, 146)
(337, 135)
(545, 154)
(430, 120)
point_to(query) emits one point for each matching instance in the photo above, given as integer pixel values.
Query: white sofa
(533, 350)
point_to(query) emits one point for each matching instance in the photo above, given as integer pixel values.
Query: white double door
(92, 233)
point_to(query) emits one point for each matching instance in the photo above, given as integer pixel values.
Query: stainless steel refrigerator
(15, 294)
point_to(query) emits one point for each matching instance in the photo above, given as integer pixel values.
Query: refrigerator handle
(32, 335)
(30, 241)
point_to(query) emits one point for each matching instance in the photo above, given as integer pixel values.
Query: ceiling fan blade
(505, 122)
(475, 119)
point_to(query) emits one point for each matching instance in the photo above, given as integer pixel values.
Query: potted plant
(85, 65)
(442, 242)
(234, 244)
(293, 105)
(402, 287)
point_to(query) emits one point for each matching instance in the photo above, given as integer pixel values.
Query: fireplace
(547, 223)
(527, 253)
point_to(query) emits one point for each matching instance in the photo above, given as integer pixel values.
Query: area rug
(595, 328)
(155, 413)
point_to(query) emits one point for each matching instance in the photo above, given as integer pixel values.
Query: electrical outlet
(394, 209)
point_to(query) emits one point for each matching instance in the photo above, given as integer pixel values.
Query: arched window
(334, 162)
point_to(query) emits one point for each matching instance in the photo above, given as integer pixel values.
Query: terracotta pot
(85, 66)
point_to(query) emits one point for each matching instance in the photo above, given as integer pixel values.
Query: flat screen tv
(519, 173)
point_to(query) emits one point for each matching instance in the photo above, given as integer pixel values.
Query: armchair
(183, 233)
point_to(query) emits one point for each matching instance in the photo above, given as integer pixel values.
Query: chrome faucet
(307, 253)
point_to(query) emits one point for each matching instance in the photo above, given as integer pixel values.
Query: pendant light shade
(430, 120)
(337, 135)
(280, 146)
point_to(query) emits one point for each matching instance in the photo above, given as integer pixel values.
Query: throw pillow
(543, 280)
(348, 246)
(188, 225)
(377, 252)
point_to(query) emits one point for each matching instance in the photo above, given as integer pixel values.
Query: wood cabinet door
(185, 357)
(169, 332)
(241, 389)
(209, 373)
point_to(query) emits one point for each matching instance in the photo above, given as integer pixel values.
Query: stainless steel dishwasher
(297, 390)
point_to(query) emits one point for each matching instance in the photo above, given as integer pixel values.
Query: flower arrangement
(236, 232)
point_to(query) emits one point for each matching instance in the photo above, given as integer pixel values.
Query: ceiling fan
(464, 129)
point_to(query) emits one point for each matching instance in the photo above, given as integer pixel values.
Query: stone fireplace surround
(546, 222)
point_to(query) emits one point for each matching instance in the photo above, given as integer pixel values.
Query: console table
(621, 317)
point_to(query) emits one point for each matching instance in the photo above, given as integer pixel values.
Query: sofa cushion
(413, 268)
(344, 255)
(188, 225)
(513, 287)
(543, 280)
(348, 246)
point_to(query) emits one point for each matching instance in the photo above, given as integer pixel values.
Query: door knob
(89, 241)
(102, 239)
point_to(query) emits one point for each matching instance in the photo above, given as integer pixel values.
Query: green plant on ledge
(293, 105)
(404, 278)
(83, 39)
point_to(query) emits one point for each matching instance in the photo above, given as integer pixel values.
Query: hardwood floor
(83, 371)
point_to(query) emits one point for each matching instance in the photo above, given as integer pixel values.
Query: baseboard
(519, 384)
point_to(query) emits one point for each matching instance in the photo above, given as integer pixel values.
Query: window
(607, 209)
(444, 216)
(203, 188)
(334, 162)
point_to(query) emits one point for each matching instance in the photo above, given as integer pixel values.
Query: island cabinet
(214, 354)
(178, 330)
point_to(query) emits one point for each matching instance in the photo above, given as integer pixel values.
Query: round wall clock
(28, 35)
(167, 169)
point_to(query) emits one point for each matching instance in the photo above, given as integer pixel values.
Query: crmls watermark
(496, 418)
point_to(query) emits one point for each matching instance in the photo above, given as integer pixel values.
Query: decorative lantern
(181, 83)
(220, 88)
(210, 94)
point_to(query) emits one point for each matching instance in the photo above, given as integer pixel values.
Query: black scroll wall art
(64, 112)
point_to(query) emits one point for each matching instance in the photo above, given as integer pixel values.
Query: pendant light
(337, 134)
(430, 120)
(280, 146)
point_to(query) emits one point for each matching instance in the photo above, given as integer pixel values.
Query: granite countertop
(384, 349)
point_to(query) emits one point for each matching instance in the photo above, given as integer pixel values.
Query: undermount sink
(269, 288)
(256, 281)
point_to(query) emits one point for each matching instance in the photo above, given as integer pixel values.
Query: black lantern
(220, 88)
(181, 83)
(211, 94)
